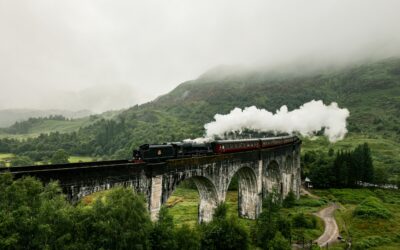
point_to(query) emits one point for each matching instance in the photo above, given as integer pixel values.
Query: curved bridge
(259, 173)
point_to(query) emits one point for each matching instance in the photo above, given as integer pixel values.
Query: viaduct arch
(259, 172)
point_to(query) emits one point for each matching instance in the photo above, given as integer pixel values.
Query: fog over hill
(370, 92)
(10, 116)
(102, 55)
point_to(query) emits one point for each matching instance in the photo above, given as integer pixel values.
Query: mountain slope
(9, 116)
(35, 126)
(371, 92)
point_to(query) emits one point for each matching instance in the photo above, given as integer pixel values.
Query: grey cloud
(48, 48)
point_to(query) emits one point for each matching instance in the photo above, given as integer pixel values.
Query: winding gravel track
(331, 232)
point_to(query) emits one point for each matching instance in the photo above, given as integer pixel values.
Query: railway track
(35, 168)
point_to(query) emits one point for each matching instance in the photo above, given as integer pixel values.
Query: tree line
(343, 169)
(37, 216)
(23, 127)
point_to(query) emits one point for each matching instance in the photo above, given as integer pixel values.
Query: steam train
(174, 150)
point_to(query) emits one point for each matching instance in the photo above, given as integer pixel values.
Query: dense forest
(34, 216)
(343, 169)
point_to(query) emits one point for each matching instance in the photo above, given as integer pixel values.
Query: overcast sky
(100, 55)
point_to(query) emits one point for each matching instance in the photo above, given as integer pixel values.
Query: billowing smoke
(310, 118)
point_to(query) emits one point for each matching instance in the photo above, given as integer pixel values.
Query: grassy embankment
(370, 218)
(46, 126)
(6, 158)
(49, 126)
(74, 159)
(183, 205)
(366, 230)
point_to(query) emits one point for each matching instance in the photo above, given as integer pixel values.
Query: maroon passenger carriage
(232, 146)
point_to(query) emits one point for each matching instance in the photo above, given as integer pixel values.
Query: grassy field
(74, 159)
(183, 206)
(47, 126)
(365, 232)
(5, 158)
(368, 231)
(18, 137)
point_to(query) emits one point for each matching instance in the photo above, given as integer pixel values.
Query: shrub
(308, 202)
(290, 200)
(21, 161)
(279, 243)
(372, 207)
(187, 238)
(223, 232)
(302, 221)
(370, 241)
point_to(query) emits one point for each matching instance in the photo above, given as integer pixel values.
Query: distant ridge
(9, 116)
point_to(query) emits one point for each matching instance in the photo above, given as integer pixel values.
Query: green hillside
(33, 127)
(371, 92)
(9, 116)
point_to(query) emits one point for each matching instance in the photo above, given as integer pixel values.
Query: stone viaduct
(259, 172)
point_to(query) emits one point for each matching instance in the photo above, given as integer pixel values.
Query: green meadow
(74, 159)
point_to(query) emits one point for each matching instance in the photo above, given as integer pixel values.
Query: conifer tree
(368, 165)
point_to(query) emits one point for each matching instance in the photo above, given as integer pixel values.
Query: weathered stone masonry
(259, 173)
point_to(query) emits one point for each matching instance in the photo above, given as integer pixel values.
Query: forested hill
(10, 116)
(370, 91)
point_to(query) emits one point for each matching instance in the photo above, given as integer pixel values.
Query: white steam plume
(306, 120)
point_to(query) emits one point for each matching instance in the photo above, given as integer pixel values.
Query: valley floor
(365, 232)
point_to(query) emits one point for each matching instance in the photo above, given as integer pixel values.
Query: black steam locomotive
(173, 150)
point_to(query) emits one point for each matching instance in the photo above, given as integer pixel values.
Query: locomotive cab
(154, 153)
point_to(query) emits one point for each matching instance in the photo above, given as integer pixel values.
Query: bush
(187, 238)
(162, 236)
(290, 200)
(224, 233)
(370, 241)
(34, 216)
(279, 243)
(21, 161)
(59, 157)
(372, 207)
(302, 221)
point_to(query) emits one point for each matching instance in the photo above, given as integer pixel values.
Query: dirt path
(304, 191)
(331, 232)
